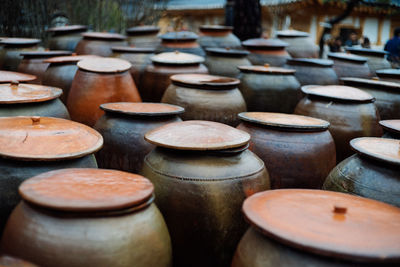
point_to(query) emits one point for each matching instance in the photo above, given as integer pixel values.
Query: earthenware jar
(303, 143)
(332, 233)
(350, 112)
(390, 75)
(225, 62)
(217, 36)
(9, 54)
(349, 65)
(11, 76)
(373, 172)
(387, 95)
(313, 71)
(99, 81)
(101, 217)
(376, 57)
(391, 128)
(182, 41)
(143, 36)
(206, 97)
(33, 145)
(99, 43)
(268, 88)
(202, 171)
(155, 79)
(65, 37)
(123, 127)
(267, 51)
(300, 44)
(9, 261)
(31, 100)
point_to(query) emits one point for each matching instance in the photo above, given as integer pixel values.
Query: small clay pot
(11, 49)
(182, 41)
(349, 65)
(225, 61)
(217, 36)
(300, 44)
(99, 43)
(267, 51)
(143, 36)
(65, 37)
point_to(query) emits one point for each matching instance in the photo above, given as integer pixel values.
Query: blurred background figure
(365, 43)
(393, 47)
(335, 45)
(353, 40)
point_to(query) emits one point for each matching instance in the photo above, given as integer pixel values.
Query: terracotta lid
(215, 28)
(45, 54)
(9, 76)
(310, 62)
(182, 36)
(291, 34)
(204, 81)
(389, 73)
(103, 35)
(382, 149)
(264, 44)
(68, 59)
(226, 52)
(46, 139)
(104, 65)
(145, 29)
(177, 58)
(338, 92)
(347, 57)
(327, 223)
(133, 50)
(266, 69)
(68, 28)
(15, 93)
(376, 84)
(285, 121)
(366, 51)
(197, 135)
(143, 109)
(86, 190)
(391, 125)
(19, 41)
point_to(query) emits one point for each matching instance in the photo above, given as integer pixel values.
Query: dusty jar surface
(65, 37)
(376, 58)
(143, 36)
(300, 44)
(313, 71)
(182, 41)
(11, 49)
(349, 65)
(225, 62)
(217, 36)
(99, 43)
(267, 51)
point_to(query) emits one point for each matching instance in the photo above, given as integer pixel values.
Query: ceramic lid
(327, 223)
(103, 35)
(130, 49)
(366, 51)
(9, 76)
(376, 84)
(45, 54)
(19, 41)
(183, 36)
(226, 52)
(204, 81)
(145, 29)
(197, 135)
(347, 57)
(284, 121)
(143, 109)
(291, 33)
(391, 125)
(46, 139)
(68, 59)
(389, 73)
(86, 190)
(104, 64)
(177, 58)
(266, 69)
(262, 43)
(310, 62)
(68, 28)
(338, 92)
(15, 93)
(382, 149)
(215, 28)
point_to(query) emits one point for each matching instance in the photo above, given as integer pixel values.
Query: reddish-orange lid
(143, 109)
(327, 223)
(103, 35)
(197, 135)
(9, 76)
(382, 149)
(391, 125)
(204, 81)
(104, 64)
(266, 69)
(68, 59)
(68, 28)
(85, 190)
(46, 139)
(338, 92)
(14, 93)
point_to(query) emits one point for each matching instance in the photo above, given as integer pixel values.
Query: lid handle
(375, 78)
(266, 65)
(35, 120)
(339, 209)
(14, 84)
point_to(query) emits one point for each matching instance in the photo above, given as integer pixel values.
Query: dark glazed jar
(202, 171)
(390, 75)
(65, 37)
(98, 81)
(217, 36)
(391, 128)
(206, 97)
(300, 44)
(33, 145)
(283, 140)
(376, 58)
(180, 41)
(267, 51)
(155, 79)
(350, 112)
(123, 127)
(9, 54)
(225, 62)
(11, 76)
(349, 65)
(331, 230)
(143, 36)
(100, 217)
(268, 88)
(373, 172)
(99, 43)
(313, 71)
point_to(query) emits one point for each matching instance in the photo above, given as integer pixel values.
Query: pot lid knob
(375, 78)
(339, 209)
(266, 65)
(35, 120)
(14, 84)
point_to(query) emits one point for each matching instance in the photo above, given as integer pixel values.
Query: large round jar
(100, 217)
(349, 65)
(376, 58)
(183, 41)
(123, 127)
(225, 62)
(387, 95)
(33, 145)
(350, 112)
(300, 44)
(269, 88)
(283, 140)
(99, 43)
(155, 79)
(65, 37)
(206, 97)
(390, 75)
(267, 51)
(143, 36)
(99, 81)
(217, 36)
(300, 227)
(202, 171)
(9, 54)
(391, 128)
(313, 71)
(11, 76)
(373, 172)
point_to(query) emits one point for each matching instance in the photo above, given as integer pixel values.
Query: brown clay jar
(391, 128)
(390, 75)
(300, 44)
(299, 151)
(99, 81)
(267, 51)
(349, 65)
(182, 41)
(143, 36)
(376, 58)
(11, 76)
(65, 37)
(88, 217)
(217, 36)
(10, 52)
(99, 43)
(123, 127)
(225, 62)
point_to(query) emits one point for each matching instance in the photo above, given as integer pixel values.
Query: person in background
(393, 47)
(365, 43)
(335, 45)
(353, 40)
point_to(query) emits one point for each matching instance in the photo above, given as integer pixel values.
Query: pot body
(275, 58)
(351, 69)
(206, 227)
(226, 39)
(377, 63)
(225, 66)
(51, 108)
(97, 47)
(315, 75)
(301, 47)
(144, 40)
(10, 58)
(65, 41)
(34, 66)
(191, 47)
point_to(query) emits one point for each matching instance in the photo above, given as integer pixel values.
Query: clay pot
(372, 172)
(182, 41)
(225, 62)
(350, 112)
(217, 36)
(65, 37)
(313, 71)
(376, 58)
(269, 88)
(101, 217)
(123, 127)
(391, 128)
(300, 44)
(9, 261)
(155, 79)
(331, 230)
(11, 76)
(143, 36)
(390, 75)
(33, 145)
(349, 65)
(267, 51)
(99, 81)
(202, 172)
(387, 95)
(282, 140)
(12, 47)
(206, 97)
(31, 100)
(99, 43)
